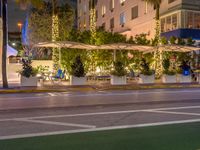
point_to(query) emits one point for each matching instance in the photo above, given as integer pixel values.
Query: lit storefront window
(197, 20)
(189, 20)
(174, 21)
(169, 23)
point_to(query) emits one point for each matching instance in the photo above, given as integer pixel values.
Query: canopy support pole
(114, 55)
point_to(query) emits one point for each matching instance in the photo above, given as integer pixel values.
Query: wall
(13, 68)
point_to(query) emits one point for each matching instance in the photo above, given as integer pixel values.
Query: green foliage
(119, 69)
(131, 40)
(27, 70)
(145, 68)
(180, 41)
(69, 56)
(190, 41)
(166, 67)
(166, 64)
(77, 68)
(172, 40)
(141, 39)
(164, 40)
(40, 23)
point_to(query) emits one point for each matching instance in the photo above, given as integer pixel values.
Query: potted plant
(147, 75)
(118, 75)
(77, 72)
(169, 75)
(28, 74)
(184, 73)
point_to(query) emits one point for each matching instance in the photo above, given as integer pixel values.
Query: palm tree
(92, 4)
(4, 45)
(55, 34)
(4, 3)
(158, 52)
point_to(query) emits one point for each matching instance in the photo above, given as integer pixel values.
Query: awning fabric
(11, 51)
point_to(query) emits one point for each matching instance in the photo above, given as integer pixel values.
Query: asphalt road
(27, 115)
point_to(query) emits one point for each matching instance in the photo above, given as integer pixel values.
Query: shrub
(77, 68)
(145, 69)
(166, 66)
(27, 70)
(119, 69)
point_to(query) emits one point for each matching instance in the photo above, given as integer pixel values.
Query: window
(103, 10)
(112, 23)
(134, 12)
(103, 25)
(168, 23)
(189, 20)
(112, 5)
(174, 21)
(84, 22)
(162, 25)
(97, 14)
(85, 8)
(146, 7)
(171, 1)
(122, 19)
(197, 20)
(122, 2)
(80, 12)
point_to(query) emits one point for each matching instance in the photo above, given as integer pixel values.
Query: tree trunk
(4, 46)
(55, 35)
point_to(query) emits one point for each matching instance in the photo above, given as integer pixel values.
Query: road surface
(27, 115)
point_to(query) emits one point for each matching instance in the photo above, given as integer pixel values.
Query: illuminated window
(122, 2)
(162, 24)
(146, 7)
(197, 20)
(189, 18)
(168, 23)
(112, 4)
(103, 10)
(174, 21)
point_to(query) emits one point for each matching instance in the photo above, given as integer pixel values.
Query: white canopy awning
(11, 51)
(179, 48)
(115, 46)
(65, 44)
(126, 46)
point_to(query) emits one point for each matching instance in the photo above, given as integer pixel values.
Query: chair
(59, 76)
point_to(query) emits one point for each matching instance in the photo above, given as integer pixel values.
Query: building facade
(180, 18)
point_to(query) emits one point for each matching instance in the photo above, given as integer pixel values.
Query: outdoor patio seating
(59, 76)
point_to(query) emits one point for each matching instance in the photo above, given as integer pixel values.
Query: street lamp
(19, 24)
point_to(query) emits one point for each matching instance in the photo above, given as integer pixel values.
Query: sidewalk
(88, 88)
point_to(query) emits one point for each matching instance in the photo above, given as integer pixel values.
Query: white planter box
(169, 78)
(116, 80)
(77, 81)
(144, 79)
(32, 81)
(184, 79)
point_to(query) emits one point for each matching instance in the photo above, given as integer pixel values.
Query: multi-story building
(180, 18)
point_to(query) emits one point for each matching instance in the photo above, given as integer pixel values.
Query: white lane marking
(56, 123)
(104, 94)
(104, 113)
(98, 129)
(175, 113)
(52, 94)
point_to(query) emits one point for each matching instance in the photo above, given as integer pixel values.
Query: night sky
(15, 15)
